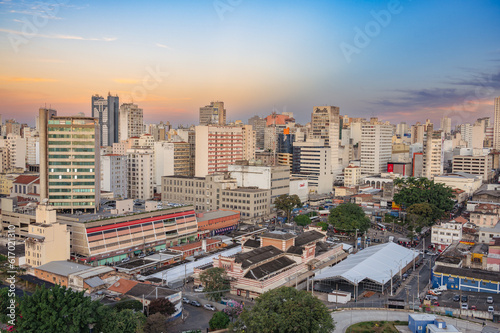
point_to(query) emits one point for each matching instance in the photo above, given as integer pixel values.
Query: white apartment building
(141, 173)
(325, 125)
(466, 131)
(216, 148)
(274, 178)
(248, 142)
(131, 121)
(312, 159)
(433, 153)
(475, 164)
(463, 181)
(485, 215)
(352, 175)
(446, 233)
(172, 158)
(114, 174)
(17, 151)
(376, 148)
(446, 125)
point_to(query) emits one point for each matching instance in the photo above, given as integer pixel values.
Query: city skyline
(396, 60)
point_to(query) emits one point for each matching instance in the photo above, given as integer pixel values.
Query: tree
(58, 310)
(285, 310)
(126, 321)
(219, 321)
(233, 310)
(8, 302)
(161, 305)
(156, 324)
(215, 282)
(323, 225)
(348, 217)
(132, 304)
(287, 203)
(302, 220)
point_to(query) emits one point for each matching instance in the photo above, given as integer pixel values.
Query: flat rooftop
(216, 215)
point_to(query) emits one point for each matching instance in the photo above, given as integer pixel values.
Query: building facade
(376, 147)
(481, 165)
(141, 173)
(107, 111)
(114, 175)
(312, 159)
(325, 125)
(433, 153)
(446, 233)
(214, 114)
(131, 121)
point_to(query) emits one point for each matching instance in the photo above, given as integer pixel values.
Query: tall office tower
(172, 159)
(141, 173)
(433, 153)
(258, 125)
(107, 110)
(446, 125)
(496, 125)
(213, 114)
(417, 133)
(216, 148)
(376, 147)
(114, 174)
(466, 131)
(478, 136)
(325, 124)
(70, 162)
(131, 121)
(402, 129)
(32, 143)
(484, 122)
(248, 142)
(312, 160)
(50, 113)
(284, 148)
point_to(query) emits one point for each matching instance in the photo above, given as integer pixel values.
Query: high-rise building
(17, 151)
(376, 147)
(325, 125)
(216, 148)
(312, 159)
(69, 162)
(417, 133)
(402, 129)
(258, 125)
(446, 125)
(114, 174)
(131, 121)
(172, 159)
(107, 110)
(141, 173)
(496, 125)
(213, 114)
(466, 131)
(433, 153)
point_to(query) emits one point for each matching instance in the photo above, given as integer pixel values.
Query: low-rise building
(493, 257)
(252, 202)
(196, 248)
(485, 215)
(479, 164)
(26, 187)
(464, 181)
(352, 175)
(486, 235)
(445, 233)
(58, 272)
(217, 222)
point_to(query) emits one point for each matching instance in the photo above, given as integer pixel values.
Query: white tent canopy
(376, 263)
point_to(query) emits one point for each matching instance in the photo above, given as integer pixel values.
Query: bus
(314, 218)
(382, 227)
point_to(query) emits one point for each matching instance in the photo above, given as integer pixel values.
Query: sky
(396, 60)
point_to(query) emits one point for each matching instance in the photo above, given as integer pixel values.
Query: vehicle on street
(435, 302)
(209, 307)
(473, 307)
(127, 259)
(199, 289)
(142, 255)
(489, 300)
(465, 306)
(185, 300)
(456, 298)
(195, 303)
(490, 308)
(465, 298)
(431, 297)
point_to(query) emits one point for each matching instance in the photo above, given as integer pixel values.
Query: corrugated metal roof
(94, 282)
(63, 268)
(376, 263)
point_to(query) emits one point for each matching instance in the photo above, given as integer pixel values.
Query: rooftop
(216, 215)
(150, 291)
(63, 268)
(26, 179)
(278, 235)
(256, 256)
(195, 245)
(270, 267)
(122, 286)
(252, 243)
(308, 237)
(458, 175)
(469, 273)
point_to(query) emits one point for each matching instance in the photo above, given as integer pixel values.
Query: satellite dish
(45, 201)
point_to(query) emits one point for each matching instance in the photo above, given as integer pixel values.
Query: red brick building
(217, 222)
(205, 245)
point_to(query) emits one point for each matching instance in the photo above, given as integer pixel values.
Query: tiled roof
(253, 257)
(278, 235)
(26, 179)
(269, 268)
(122, 286)
(308, 237)
(187, 247)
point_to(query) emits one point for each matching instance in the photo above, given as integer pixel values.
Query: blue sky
(427, 60)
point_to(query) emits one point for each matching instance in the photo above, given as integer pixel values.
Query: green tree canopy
(125, 321)
(287, 203)
(58, 310)
(132, 304)
(215, 282)
(156, 324)
(161, 305)
(348, 217)
(285, 310)
(302, 220)
(219, 321)
(412, 191)
(8, 301)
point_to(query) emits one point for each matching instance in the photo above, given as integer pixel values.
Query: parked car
(473, 307)
(209, 307)
(431, 297)
(126, 259)
(142, 255)
(199, 289)
(490, 308)
(435, 302)
(465, 298)
(489, 300)
(185, 300)
(465, 306)
(456, 298)
(195, 303)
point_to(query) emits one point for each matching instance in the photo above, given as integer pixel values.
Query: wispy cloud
(126, 81)
(163, 46)
(35, 12)
(26, 79)
(70, 37)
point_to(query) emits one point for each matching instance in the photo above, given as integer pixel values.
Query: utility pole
(356, 240)
(391, 282)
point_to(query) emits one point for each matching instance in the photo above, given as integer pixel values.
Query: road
(197, 318)
(346, 318)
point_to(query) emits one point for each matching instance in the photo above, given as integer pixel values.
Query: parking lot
(474, 299)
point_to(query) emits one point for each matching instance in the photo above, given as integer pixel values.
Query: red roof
(461, 220)
(187, 247)
(122, 286)
(26, 179)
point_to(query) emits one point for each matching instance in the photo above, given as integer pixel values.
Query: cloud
(126, 81)
(69, 37)
(26, 79)
(163, 46)
(37, 12)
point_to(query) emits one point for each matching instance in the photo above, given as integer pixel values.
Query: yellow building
(6, 181)
(47, 239)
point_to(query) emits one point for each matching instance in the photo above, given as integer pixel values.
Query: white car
(199, 289)
(209, 307)
(491, 309)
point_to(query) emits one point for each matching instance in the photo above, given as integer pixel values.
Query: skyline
(406, 64)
